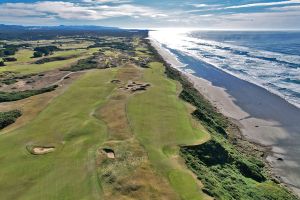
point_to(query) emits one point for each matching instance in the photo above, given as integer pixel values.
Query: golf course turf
(129, 130)
(71, 124)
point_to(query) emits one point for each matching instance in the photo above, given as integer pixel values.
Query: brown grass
(130, 175)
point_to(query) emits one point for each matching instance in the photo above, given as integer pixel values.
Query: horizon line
(160, 28)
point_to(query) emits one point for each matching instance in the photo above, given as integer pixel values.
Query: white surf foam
(263, 68)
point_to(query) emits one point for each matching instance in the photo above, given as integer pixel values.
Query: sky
(196, 14)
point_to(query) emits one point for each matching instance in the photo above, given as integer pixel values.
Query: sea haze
(268, 59)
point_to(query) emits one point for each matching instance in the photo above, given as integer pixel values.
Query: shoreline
(262, 132)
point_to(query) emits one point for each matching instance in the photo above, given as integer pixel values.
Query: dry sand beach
(264, 118)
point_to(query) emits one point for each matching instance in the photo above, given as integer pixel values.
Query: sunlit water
(268, 59)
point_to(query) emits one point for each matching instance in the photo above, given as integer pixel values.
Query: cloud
(264, 4)
(286, 8)
(125, 13)
(73, 11)
(201, 5)
(260, 20)
(107, 1)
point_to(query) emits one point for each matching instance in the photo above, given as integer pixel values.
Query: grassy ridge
(225, 172)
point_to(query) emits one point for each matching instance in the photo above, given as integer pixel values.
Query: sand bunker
(115, 81)
(109, 153)
(133, 86)
(42, 150)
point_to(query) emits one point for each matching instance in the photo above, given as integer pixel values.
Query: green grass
(160, 119)
(25, 65)
(185, 185)
(23, 55)
(67, 123)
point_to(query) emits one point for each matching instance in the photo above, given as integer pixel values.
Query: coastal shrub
(9, 59)
(83, 64)
(250, 170)
(9, 81)
(210, 153)
(52, 59)
(37, 54)
(7, 118)
(11, 49)
(45, 50)
(114, 44)
(221, 174)
(14, 96)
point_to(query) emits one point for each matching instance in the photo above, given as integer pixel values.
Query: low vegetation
(83, 64)
(9, 81)
(52, 59)
(9, 59)
(44, 51)
(10, 49)
(14, 96)
(9, 117)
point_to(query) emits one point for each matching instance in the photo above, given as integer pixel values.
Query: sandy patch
(109, 153)
(42, 150)
(133, 86)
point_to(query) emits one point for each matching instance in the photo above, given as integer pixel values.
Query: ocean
(270, 60)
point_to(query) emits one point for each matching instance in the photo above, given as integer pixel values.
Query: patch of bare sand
(42, 150)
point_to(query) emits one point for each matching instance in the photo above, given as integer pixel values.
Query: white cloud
(286, 8)
(263, 4)
(266, 20)
(200, 5)
(111, 13)
(107, 1)
(71, 11)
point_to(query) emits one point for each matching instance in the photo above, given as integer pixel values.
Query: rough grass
(66, 124)
(130, 175)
